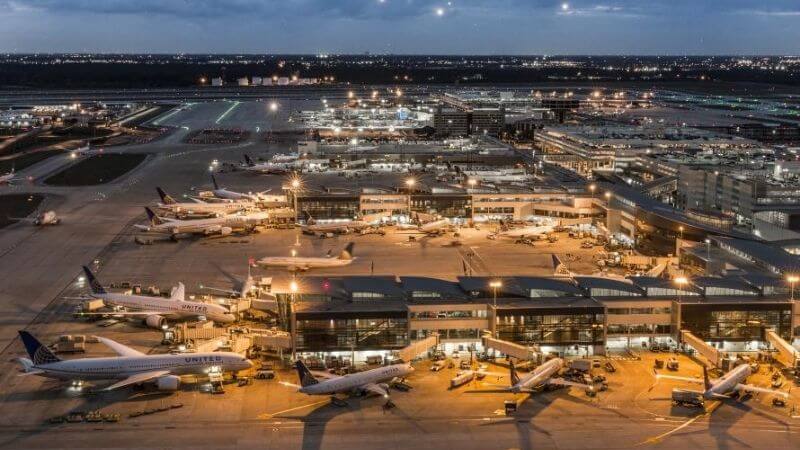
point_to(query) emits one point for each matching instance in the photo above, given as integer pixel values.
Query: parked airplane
(199, 207)
(233, 195)
(156, 310)
(370, 381)
(546, 373)
(724, 386)
(222, 226)
(531, 231)
(130, 367)
(432, 227)
(560, 270)
(339, 226)
(302, 263)
(267, 167)
(246, 287)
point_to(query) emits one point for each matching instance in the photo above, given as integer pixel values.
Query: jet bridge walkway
(520, 352)
(788, 354)
(713, 355)
(416, 348)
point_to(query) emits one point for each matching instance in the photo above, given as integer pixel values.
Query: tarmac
(40, 266)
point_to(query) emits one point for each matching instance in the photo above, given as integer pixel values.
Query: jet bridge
(789, 356)
(416, 348)
(700, 346)
(520, 352)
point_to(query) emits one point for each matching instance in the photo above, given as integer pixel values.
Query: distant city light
(565, 6)
(440, 12)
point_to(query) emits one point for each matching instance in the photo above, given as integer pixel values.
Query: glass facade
(736, 323)
(447, 334)
(330, 207)
(467, 314)
(444, 205)
(356, 332)
(550, 327)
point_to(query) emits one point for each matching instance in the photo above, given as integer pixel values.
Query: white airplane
(200, 207)
(45, 218)
(130, 367)
(222, 226)
(370, 381)
(267, 167)
(303, 263)
(233, 195)
(433, 227)
(546, 373)
(724, 386)
(156, 310)
(560, 270)
(339, 226)
(529, 231)
(245, 290)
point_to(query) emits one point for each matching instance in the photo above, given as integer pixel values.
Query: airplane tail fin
(94, 284)
(214, 180)
(347, 253)
(513, 373)
(305, 375)
(248, 161)
(706, 382)
(154, 219)
(165, 198)
(559, 268)
(178, 292)
(39, 353)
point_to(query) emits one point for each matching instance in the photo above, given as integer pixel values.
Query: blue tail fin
(39, 353)
(305, 375)
(95, 285)
(165, 198)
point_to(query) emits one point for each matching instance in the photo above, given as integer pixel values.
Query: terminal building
(376, 316)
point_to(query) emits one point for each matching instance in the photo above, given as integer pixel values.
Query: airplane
(433, 228)
(373, 380)
(267, 167)
(232, 195)
(130, 367)
(302, 263)
(531, 231)
(560, 270)
(199, 207)
(45, 218)
(246, 289)
(340, 226)
(222, 226)
(544, 374)
(722, 388)
(156, 310)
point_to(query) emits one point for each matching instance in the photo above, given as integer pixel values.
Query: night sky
(674, 27)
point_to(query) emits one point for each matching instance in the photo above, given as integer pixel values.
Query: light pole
(681, 281)
(792, 279)
(592, 188)
(680, 229)
(410, 183)
(293, 288)
(295, 188)
(708, 253)
(495, 285)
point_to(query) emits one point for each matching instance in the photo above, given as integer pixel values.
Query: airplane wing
(137, 378)
(375, 389)
(121, 350)
(563, 382)
(751, 388)
(686, 379)
(227, 291)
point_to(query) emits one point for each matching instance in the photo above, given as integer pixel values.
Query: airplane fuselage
(349, 383)
(303, 262)
(110, 368)
(167, 307)
(539, 375)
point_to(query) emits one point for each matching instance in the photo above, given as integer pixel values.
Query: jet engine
(168, 383)
(155, 321)
(224, 231)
